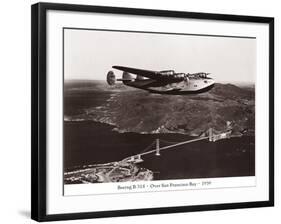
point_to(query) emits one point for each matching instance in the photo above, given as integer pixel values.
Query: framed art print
(140, 111)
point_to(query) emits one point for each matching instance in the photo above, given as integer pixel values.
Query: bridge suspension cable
(174, 145)
(167, 142)
(148, 147)
(156, 143)
(157, 150)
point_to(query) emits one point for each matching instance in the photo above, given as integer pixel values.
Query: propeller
(110, 78)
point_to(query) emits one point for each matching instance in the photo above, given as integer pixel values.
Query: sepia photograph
(147, 106)
(141, 111)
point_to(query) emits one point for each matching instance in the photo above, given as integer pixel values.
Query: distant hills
(132, 110)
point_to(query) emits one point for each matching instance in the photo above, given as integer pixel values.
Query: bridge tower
(157, 147)
(138, 159)
(210, 132)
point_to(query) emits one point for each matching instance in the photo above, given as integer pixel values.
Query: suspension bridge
(154, 147)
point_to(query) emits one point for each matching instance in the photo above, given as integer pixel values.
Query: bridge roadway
(168, 147)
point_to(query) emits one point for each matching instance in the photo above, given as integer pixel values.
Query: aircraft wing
(146, 73)
(167, 76)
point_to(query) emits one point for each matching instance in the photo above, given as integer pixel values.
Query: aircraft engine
(110, 78)
(139, 77)
(127, 76)
(186, 79)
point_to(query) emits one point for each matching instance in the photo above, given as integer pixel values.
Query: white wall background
(15, 110)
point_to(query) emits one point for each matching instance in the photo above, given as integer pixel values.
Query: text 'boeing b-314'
(163, 82)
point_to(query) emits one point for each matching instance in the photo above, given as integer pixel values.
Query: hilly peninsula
(133, 110)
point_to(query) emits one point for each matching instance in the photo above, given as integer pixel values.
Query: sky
(90, 54)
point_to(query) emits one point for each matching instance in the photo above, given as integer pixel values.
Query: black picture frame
(38, 108)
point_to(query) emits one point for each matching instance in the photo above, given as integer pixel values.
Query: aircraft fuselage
(163, 82)
(191, 86)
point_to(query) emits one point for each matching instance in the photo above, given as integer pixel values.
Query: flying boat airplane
(163, 82)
